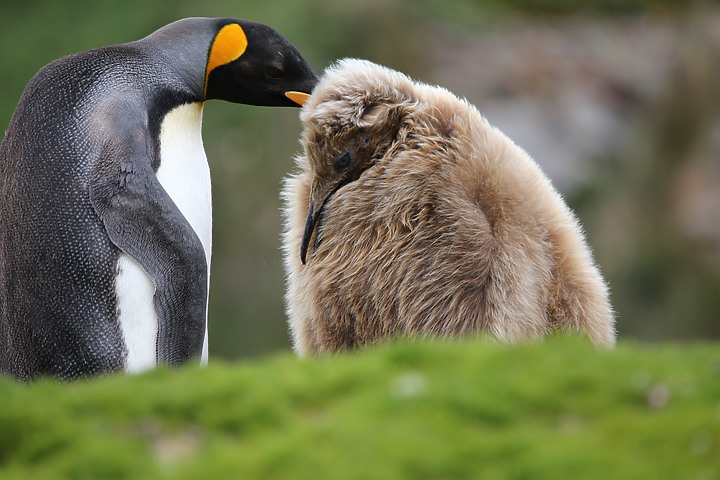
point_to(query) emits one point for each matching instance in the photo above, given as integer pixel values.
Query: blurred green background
(618, 100)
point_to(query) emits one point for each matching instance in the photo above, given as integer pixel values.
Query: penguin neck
(181, 48)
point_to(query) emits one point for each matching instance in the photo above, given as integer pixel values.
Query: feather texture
(440, 226)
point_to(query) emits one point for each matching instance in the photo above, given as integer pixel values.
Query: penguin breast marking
(184, 172)
(185, 175)
(138, 321)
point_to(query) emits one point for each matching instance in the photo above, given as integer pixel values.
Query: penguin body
(412, 215)
(105, 213)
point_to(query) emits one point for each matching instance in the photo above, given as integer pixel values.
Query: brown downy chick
(412, 215)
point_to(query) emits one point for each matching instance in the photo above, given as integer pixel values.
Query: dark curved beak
(321, 193)
(313, 223)
(310, 223)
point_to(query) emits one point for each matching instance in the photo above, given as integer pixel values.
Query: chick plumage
(411, 214)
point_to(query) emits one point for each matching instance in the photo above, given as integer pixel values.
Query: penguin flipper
(142, 220)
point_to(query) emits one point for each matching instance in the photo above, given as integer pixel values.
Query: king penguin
(105, 207)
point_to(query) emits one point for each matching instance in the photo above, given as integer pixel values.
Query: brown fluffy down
(450, 228)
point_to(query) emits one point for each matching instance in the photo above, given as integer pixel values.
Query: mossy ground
(417, 410)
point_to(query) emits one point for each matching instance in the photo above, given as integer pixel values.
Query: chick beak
(310, 223)
(298, 97)
(319, 196)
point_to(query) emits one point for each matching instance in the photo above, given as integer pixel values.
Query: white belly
(185, 175)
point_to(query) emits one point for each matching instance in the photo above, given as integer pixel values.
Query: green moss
(416, 410)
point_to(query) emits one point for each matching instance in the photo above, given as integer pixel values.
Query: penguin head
(352, 122)
(251, 63)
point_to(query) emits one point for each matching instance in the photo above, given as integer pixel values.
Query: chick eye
(342, 162)
(366, 141)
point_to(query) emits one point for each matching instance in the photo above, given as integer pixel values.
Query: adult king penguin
(105, 212)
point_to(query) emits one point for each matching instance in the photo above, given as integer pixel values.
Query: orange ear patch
(229, 44)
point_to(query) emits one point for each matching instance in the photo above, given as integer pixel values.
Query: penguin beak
(310, 223)
(319, 195)
(298, 97)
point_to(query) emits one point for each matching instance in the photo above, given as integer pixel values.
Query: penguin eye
(274, 68)
(366, 141)
(273, 73)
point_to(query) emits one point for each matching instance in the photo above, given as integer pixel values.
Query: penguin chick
(411, 215)
(105, 210)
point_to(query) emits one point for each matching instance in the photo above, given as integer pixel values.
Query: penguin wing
(142, 220)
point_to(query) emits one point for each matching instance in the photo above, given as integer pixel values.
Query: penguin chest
(185, 175)
(184, 172)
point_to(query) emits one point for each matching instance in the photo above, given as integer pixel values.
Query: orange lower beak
(298, 97)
